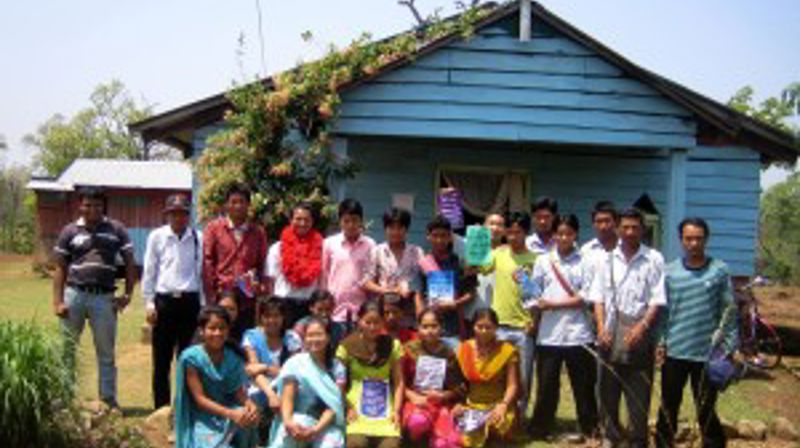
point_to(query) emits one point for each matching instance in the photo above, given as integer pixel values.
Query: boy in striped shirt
(700, 317)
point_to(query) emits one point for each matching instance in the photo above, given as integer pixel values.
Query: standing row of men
(647, 314)
(183, 270)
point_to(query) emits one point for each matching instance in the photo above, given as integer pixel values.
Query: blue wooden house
(507, 119)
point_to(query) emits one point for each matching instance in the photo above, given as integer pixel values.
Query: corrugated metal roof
(47, 185)
(152, 175)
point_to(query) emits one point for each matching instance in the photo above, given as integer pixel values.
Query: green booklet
(478, 246)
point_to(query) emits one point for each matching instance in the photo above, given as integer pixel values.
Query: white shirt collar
(81, 222)
(642, 252)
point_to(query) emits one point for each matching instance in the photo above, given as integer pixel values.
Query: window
(652, 221)
(485, 190)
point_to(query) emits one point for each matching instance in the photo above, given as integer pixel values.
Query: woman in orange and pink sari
(491, 370)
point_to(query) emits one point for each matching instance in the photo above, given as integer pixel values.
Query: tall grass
(36, 385)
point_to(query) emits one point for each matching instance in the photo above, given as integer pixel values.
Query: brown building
(136, 191)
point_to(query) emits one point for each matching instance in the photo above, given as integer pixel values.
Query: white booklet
(430, 373)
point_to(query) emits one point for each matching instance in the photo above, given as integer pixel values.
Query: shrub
(35, 385)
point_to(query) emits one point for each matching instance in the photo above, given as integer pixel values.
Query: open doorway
(652, 221)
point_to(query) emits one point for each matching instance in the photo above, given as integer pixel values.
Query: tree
(780, 231)
(779, 248)
(17, 208)
(776, 111)
(98, 131)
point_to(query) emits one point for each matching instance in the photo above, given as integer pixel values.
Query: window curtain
(486, 193)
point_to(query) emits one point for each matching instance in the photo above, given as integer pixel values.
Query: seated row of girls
(481, 379)
(390, 394)
(214, 409)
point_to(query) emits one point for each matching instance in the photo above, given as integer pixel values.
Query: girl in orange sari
(491, 369)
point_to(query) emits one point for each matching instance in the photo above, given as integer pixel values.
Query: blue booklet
(375, 399)
(441, 286)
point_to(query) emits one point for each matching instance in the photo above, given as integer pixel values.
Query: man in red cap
(171, 286)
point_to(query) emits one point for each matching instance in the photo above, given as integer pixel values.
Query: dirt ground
(780, 306)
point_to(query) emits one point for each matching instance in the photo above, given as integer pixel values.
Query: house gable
(494, 87)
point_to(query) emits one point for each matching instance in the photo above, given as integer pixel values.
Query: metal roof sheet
(139, 174)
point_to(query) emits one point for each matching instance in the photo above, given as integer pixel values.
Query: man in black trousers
(171, 285)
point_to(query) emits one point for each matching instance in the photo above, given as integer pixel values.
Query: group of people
(333, 341)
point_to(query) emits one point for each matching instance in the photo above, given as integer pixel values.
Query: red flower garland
(301, 257)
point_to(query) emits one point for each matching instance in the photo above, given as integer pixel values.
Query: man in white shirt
(627, 293)
(595, 252)
(544, 212)
(171, 285)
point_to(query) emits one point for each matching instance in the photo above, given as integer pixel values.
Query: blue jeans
(99, 309)
(525, 345)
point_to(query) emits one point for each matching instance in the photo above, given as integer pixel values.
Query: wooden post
(676, 202)
(524, 20)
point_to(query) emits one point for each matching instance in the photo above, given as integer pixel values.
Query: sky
(171, 52)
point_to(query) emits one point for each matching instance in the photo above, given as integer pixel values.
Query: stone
(729, 428)
(573, 439)
(160, 419)
(158, 428)
(96, 407)
(751, 429)
(782, 428)
(86, 420)
(684, 433)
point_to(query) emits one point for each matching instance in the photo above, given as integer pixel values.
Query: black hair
(350, 207)
(545, 202)
(429, 310)
(307, 206)
(204, 317)
(391, 298)
(439, 222)
(266, 303)
(568, 220)
(213, 310)
(521, 219)
(486, 313)
(370, 305)
(695, 222)
(397, 216)
(632, 213)
(229, 294)
(605, 207)
(95, 193)
(319, 295)
(238, 188)
(270, 303)
(329, 350)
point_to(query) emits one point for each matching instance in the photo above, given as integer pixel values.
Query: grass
(26, 296)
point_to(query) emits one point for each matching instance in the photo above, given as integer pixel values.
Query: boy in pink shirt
(345, 264)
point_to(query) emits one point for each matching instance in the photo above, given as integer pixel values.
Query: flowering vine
(277, 139)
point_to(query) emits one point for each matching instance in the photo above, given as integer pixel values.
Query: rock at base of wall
(782, 428)
(751, 429)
